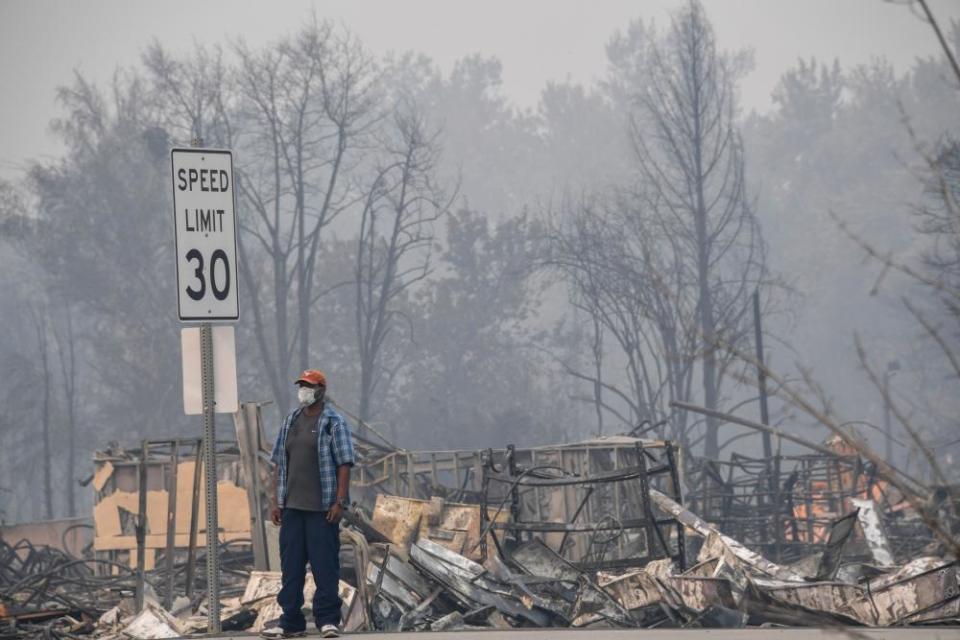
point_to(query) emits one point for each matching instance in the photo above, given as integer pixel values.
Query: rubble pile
(784, 505)
(47, 592)
(406, 581)
(594, 534)
(41, 584)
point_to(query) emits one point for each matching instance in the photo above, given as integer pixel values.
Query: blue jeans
(307, 536)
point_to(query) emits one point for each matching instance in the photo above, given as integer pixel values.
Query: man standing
(312, 458)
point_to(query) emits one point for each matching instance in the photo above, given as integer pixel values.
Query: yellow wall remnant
(103, 473)
(110, 534)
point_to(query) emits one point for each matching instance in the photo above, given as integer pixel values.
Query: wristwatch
(343, 502)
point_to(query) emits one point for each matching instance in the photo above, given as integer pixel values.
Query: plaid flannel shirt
(334, 446)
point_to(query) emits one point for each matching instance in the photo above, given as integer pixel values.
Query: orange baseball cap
(313, 376)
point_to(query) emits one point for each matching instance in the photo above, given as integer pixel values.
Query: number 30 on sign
(204, 218)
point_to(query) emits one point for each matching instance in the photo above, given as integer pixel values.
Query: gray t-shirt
(303, 465)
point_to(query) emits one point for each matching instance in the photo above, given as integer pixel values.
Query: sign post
(204, 216)
(210, 468)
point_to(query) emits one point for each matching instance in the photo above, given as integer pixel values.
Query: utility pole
(892, 367)
(761, 376)
(141, 528)
(772, 464)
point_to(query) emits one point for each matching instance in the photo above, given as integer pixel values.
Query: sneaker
(279, 632)
(330, 631)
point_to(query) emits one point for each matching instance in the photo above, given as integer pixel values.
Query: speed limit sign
(204, 218)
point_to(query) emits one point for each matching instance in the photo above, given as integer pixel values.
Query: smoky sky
(42, 42)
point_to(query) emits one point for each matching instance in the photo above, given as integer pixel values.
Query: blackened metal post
(141, 527)
(778, 533)
(194, 517)
(171, 523)
(515, 491)
(652, 533)
(678, 498)
(761, 376)
(484, 515)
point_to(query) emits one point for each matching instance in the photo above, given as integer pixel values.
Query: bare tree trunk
(307, 98)
(691, 158)
(66, 355)
(367, 368)
(40, 324)
(388, 264)
(707, 325)
(259, 326)
(280, 318)
(304, 277)
(711, 447)
(306, 281)
(598, 372)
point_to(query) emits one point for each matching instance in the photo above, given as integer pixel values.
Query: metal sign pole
(761, 375)
(210, 469)
(205, 242)
(210, 464)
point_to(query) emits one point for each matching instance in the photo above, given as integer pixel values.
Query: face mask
(306, 395)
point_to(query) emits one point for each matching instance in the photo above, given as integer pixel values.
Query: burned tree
(939, 216)
(667, 265)
(629, 278)
(936, 314)
(301, 105)
(690, 158)
(116, 168)
(39, 319)
(394, 246)
(65, 339)
(190, 96)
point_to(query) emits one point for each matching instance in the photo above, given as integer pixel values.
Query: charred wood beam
(141, 528)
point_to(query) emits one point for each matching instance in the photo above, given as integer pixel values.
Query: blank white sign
(224, 370)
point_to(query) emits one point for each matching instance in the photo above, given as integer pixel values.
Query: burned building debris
(785, 505)
(595, 533)
(590, 501)
(586, 498)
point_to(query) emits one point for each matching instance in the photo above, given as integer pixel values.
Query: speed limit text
(203, 220)
(215, 180)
